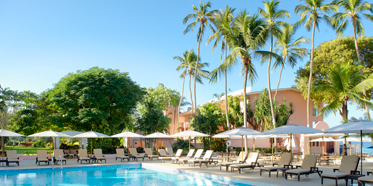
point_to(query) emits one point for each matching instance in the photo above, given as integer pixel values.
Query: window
(315, 111)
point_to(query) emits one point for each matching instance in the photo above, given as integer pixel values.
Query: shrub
(39, 144)
(218, 145)
(181, 144)
(140, 150)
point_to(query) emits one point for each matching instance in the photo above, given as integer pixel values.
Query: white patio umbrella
(50, 133)
(91, 134)
(7, 133)
(242, 131)
(127, 134)
(357, 127)
(189, 134)
(157, 135)
(323, 140)
(292, 129)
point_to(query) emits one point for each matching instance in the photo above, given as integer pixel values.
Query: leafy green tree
(151, 118)
(353, 9)
(96, 99)
(181, 144)
(162, 95)
(330, 55)
(289, 48)
(311, 14)
(209, 120)
(203, 17)
(272, 14)
(188, 67)
(223, 21)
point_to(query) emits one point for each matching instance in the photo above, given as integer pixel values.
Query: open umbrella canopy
(292, 129)
(157, 135)
(325, 134)
(323, 140)
(127, 135)
(364, 126)
(353, 139)
(49, 133)
(71, 133)
(7, 133)
(242, 131)
(189, 134)
(91, 134)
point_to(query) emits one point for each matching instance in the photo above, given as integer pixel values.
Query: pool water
(100, 176)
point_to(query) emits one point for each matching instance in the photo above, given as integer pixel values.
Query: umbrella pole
(253, 144)
(91, 148)
(322, 145)
(242, 144)
(291, 148)
(361, 152)
(2, 146)
(189, 143)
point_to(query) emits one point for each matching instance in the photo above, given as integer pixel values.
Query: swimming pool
(104, 176)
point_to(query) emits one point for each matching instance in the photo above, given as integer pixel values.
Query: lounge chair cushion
(242, 165)
(84, 158)
(39, 159)
(297, 171)
(12, 160)
(165, 158)
(123, 157)
(153, 156)
(335, 175)
(366, 179)
(269, 168)
(228, 163)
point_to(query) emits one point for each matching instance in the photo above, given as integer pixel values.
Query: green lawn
(26, 150)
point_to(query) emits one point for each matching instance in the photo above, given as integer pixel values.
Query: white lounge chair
(188, 156)
(98, 155)
(42, 156)
(12, 157)
(206, 159)
(58, 155)
(121, 156)
(196, 156)
(83, 156)
(133, 154)
(164, 158)
(240, 159)
(149, 154)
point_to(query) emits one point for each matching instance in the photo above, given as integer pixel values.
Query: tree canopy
(96, 99)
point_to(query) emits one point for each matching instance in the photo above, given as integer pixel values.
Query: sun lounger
(164, 158)
(98, 155)
(58, 155)
(133, 154)
(149, 154)
(121, 156)
(284, 163)
(12, 157)
(189, 155)
(365, 179)
(83, 156)
(170, 152)
(251, 162)
(206, 159)
(240, 159)
(348, 166)
(42, 156)
(196, 156)
(308, 167)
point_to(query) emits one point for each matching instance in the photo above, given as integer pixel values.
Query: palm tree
(202, 16)
(246, 38)
(345, 83)
(223, 21)
(289, 49)
(311, 14)
(271, 14)
(188, 65)
(352, 9)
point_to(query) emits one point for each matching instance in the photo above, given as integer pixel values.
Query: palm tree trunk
(195, 72)
(244, 104)
(225, 86)
(269, 90)
(190, 91)
(279, 79)
(310, 79)
(360, 63)
(181, 99)
(345, 119)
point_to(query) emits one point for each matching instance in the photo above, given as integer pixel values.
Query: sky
(42, 41)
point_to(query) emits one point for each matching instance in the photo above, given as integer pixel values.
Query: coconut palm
(289, 49)
(247, 36)
(201, 16)
(344, 84)
(223, 21)
(311, 15)
(353, 9)
(188, 64)
(272, 14)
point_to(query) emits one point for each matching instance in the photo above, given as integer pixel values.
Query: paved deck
(246, 175)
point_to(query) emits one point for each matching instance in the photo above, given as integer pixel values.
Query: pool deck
(246, 175)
